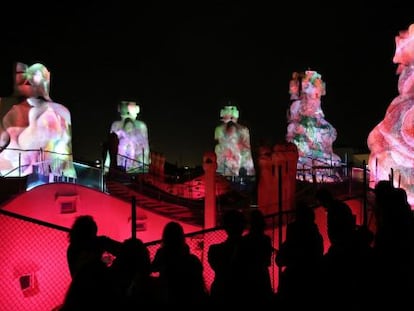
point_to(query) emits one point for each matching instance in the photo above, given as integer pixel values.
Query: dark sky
(182, 63)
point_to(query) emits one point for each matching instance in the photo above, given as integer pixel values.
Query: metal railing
(36, 250)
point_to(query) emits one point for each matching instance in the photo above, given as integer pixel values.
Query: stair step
(174, 211)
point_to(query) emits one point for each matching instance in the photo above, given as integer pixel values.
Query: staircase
(126, 192)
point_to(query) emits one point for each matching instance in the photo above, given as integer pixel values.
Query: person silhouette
(86, 245)
(224, 259)
(181, 280)
(131, 275)
(256, 251)
(299, 257)
(92, 285)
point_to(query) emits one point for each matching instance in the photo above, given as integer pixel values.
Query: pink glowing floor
(112, 215)
(38, 251)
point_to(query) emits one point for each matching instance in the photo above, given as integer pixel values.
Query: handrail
(140, 166)
(39, 157)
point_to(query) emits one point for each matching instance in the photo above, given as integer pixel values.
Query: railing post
(103, 175)
(365, 212)
(350, 178)
(20, 164)
(133, 217)
(280, 209)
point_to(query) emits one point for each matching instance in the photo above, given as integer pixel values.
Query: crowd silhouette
(362, 268)
(300, 258)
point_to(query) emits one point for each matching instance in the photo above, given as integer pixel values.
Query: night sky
(183, 63)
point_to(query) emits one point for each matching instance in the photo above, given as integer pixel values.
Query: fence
(34, 270)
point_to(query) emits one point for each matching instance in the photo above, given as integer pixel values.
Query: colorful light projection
(34, 130)
(391, 142)
(132, 139)
(308, 129)
(233, 151)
